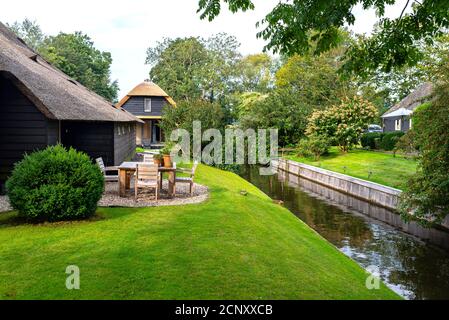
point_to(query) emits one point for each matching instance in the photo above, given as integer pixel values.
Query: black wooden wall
(135, 105)
(23, 128)
(124, 142)
(94, 138)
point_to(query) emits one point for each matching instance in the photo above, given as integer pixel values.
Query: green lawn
(230, 247)
(386, 169)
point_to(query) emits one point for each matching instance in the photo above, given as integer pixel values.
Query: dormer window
(147, 104)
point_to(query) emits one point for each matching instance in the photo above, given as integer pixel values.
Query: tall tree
(194, 68)
(293, 25)
(74, 54)
(427, 193)
(255, 73)
(29, 31)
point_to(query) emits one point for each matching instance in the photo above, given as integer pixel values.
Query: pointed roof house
(147, 89)
(146, 101)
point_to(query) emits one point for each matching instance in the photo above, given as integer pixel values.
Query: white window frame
(146, 102)
(397, 125)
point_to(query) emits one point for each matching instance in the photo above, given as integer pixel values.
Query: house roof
(398, 113)
(54, 93)
(147, 89)
(420, 95)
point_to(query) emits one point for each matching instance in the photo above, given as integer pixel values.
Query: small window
(147, 104)
(410, 123)
(397, 125)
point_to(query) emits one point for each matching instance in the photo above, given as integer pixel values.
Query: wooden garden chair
(147, 176)
(188, 179)
(105, 170)
(148, 158)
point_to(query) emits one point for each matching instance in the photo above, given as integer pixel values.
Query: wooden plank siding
(124, 142)
(23, 128)
(94, 138)
(135, 105)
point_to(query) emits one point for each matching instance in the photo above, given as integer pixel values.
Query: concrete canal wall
(371, 192)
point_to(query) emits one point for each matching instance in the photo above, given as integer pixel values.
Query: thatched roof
(419, 96)
(147, 89)
(54, 93)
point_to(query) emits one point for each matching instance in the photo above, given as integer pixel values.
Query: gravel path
(145, 197)
(4, 204)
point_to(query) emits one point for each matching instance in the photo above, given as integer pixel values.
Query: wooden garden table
(127, 168)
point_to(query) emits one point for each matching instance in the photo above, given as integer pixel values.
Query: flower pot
(167, 161)
(157, 161)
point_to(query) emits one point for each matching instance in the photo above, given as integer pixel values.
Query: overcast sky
(128, 28)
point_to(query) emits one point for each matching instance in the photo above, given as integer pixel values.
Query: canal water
(411, 260)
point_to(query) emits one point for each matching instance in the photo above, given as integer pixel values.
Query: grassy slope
(386, 169)
(232, 246)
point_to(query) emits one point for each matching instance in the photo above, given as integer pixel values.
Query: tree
(195, 68)
(292, 26)
(343, 123)
(315, 79)
(427, 194)
(281, 110)
(30, 32)
(391, 87)
(255, 73)
(187, 111)
(76, 56)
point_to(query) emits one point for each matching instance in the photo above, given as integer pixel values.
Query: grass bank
(230, 247)
(384, 167)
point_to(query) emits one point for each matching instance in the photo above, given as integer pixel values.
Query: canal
(413, 261)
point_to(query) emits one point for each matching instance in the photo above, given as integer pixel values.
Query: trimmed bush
(55, 184)
(368, 140)
(314, 146)
(389, 140)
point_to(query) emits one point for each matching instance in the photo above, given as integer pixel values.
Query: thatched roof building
(398, 118)
(42, 106)
(54, 93)
(146, 101)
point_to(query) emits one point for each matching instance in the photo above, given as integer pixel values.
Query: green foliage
(315, 146)
(255, 73)
(427, 194)
(194, 68)
(407, 144)
(282, 109)
(55, 184)
(210, 114)
(292, 26)
(343, 123)
(75, 55)
(166, 150)
(30, 32)
(389, 140)
(371, 140)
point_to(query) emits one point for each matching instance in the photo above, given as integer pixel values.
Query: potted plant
(158, 159)
(166, 150)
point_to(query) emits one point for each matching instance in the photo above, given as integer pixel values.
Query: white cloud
(128, 28)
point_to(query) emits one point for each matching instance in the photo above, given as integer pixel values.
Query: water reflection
(371, 235)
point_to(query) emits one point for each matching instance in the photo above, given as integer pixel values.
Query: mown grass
(379, 167)
(230, 247)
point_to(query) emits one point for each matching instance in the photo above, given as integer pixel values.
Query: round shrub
(314, 145)
(368, 140)
(55, 184)
(389, 140)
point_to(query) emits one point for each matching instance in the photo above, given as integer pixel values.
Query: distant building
(146, 102)
(399, 117)
(41, 106)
